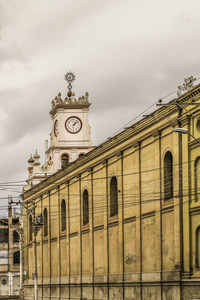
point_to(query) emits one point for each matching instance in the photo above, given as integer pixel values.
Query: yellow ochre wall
(147, 250)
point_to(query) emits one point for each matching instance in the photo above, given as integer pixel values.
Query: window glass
(168, 176)
(16, 257)
(113, 197)
(45, 222)
(64, 160)
(85, 207)
(15, 237)
(63, 215)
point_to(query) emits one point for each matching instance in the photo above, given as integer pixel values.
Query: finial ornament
(70, 77)
(187, 85)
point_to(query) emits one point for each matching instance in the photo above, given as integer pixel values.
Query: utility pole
(37, 225)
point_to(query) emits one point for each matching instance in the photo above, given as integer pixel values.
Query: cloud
(126, 54)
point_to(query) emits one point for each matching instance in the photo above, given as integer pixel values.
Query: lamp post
(185, 131)
(37, 225)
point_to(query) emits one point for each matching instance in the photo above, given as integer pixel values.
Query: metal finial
(70, 77)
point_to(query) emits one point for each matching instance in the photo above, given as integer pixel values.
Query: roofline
(146, 122)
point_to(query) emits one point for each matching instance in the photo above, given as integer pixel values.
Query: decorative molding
(129, 220)
(195, 210)
(73, 234)
(90, 169)
(84, 231)
(112, 224)
(167, 209)
(104, 161)
(156, 133)
(136, 144)
(53, 240)
(100, 227)
(174, 123)
(63, 236)
(119, 153)
(148, 215)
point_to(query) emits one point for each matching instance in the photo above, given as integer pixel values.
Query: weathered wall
(137, 253)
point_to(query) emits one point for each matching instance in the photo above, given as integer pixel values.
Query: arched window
(197, 254)
(30, 228)
(64, 160)
(45, 222)
(15, 237)
(16, 257)
(85, 207)
(113, 197)
(197, 178)
(81, 154)
(63, 215)
(168, 176)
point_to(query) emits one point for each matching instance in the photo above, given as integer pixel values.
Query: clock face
(73, 124)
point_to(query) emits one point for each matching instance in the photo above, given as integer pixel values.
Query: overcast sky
(126, 53)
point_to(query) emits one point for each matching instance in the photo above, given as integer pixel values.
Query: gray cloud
(126, 54)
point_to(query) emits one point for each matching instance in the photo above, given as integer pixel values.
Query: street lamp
(37, 225)
(185, 131)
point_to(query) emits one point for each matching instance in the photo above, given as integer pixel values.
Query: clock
(73, 124)
(56, 128)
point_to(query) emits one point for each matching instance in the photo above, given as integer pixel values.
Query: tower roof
(69, 103)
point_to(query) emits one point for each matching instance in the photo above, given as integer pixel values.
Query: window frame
(86, 217)
(168, 179)
(63, 215)
(64, 161)
(45, 222)
(114, 209)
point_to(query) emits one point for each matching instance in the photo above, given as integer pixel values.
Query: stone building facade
(9, 255)
(123, 220)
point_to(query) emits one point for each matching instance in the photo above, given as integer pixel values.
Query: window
(16, 257)
(15, 237)
(168, 176)
(4, 235)
(85, 207)
(63, 215)
(197, 177)
(81, 154)
(113, 197)
(45, 222)
(30, 228)
(64, 160)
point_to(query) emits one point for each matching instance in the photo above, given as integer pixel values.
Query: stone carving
(71, 100)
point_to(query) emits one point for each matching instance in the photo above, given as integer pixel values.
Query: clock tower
(69, 136)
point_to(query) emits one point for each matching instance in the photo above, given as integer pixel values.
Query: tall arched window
(30, 228)
(85, 207)
(197, 178)
(64, 160)
(45, 222)
(197, 254)
(168, 176)
(113, 197)
(63, 215)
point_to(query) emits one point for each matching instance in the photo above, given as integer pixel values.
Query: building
(121, 221)
(9, 255)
